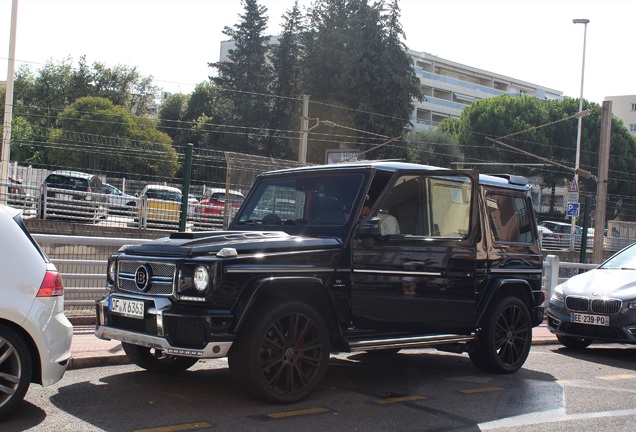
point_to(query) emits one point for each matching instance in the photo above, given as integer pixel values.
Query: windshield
(622, 260)
(309, 200)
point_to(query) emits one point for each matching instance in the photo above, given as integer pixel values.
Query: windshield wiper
(253, 222)
(305, 228)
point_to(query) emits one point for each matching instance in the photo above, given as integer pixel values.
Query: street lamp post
(578, 133)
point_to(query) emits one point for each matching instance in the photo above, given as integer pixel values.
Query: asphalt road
(419, 390)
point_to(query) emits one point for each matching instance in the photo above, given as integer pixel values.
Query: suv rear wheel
(282, 354)
(504, 343)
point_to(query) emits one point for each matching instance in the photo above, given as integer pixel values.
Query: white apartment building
(449, 86)
(624, 107)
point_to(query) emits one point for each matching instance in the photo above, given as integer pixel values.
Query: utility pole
(304, 131)
(8, 109)
(601, 186)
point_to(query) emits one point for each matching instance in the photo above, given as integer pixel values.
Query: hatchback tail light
(52, 285)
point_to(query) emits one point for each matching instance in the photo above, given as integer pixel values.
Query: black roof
(500, 180)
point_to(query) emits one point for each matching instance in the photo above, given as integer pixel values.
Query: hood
(190, 244)
(614, 283)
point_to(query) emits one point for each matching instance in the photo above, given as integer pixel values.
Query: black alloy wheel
(504, 344)
(282, 354)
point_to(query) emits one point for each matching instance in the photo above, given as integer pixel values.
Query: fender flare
(312, 290)
(500, 286)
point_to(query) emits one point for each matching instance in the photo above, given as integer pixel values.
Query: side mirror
(369, 227)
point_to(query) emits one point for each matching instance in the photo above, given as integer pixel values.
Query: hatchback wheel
(15, 370)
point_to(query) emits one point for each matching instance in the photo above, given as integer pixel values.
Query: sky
(174, 40)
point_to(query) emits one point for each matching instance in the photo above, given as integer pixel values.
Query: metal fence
(223, 178)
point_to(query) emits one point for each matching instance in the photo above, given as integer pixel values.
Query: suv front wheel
(504, 343)
(282, 354)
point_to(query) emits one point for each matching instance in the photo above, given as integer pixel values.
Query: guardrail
(82, 263)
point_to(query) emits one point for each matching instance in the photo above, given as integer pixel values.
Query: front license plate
(599, 320)
(131, 308)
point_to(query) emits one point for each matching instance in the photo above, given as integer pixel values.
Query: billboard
(341, 155)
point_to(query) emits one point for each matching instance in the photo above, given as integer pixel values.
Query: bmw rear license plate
(599, 320)
(131, 308)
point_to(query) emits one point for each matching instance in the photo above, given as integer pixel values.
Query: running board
(408, 342)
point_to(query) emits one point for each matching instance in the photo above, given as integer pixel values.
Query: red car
(211, 207)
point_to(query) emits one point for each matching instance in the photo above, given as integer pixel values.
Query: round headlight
(112, 271)
(201, 278)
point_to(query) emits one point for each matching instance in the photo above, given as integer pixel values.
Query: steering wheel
(271, 219)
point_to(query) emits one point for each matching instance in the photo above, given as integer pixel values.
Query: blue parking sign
(573, 209)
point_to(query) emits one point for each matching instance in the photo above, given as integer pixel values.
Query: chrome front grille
(579, 304)
(606, 306)
(602, 306)
(161, 277)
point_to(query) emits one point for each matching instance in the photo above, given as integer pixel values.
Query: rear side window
(430, 206)
(509, 218)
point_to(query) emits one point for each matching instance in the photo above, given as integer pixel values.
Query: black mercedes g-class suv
(363, 256)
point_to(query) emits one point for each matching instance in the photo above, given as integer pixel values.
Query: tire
(15, 370)
(155, 360)
(282, 353)
(504, 343)
(576, 343)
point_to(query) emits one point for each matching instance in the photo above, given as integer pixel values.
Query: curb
(97, 359)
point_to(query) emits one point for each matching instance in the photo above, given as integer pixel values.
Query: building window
(634, 107)
(632, 127)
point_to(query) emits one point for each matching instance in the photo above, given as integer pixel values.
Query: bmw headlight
(632, 304)
(201, 278)
(557, 293)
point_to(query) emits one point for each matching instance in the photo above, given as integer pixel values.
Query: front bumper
(622, 328)
(182, 331)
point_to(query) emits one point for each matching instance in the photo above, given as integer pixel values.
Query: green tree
(171, 115)
(95, 135)
(244, 80)
(355, 58)
(286, 58)
(434, 148)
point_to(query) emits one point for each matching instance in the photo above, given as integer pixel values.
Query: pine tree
(244, 80)
(286, 59)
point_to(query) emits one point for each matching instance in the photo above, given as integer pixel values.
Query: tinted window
(509, 218)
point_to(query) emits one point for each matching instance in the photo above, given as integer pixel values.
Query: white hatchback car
(35, 335)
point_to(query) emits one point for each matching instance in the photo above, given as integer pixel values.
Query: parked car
(19, 197)
(160, 204)
(462, 273)
(211, 207)
(35, 335)
(118, 200)
(558, 236)
(597, 306)
(192, 204)
(73, 195)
